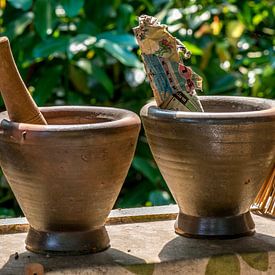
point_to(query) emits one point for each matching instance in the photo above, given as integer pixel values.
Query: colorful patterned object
(174, 85)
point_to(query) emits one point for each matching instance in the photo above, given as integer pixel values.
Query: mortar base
(67, 243)
(215, 227)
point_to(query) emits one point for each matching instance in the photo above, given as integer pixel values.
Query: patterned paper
(174, 85)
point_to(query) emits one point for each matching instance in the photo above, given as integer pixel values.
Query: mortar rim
(122, 118)
(151, 110)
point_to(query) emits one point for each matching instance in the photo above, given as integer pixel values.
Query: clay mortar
(67, 175)
(214, 162)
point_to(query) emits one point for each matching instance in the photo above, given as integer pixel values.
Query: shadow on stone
(181, 248)
(111, 259)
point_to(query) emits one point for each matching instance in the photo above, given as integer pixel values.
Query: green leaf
(79, 79)
(198, 20)
(135, 196)
(51, 46)
(143, 149)
(43, 17)
(234, 29)
(6, 198)
(224, 84)
(123, 55)
(47, 82)
(195, 50)
(6, 212)
(222, 51)
(159, 197)
(258, 261)
(72, 7)
(85, 65)
(223, 265)
(80, 43)
(207, 54)
(88, 27)
(258, 18)
(74, 98)
(124, 13)
(100, 12)
(2, 105)
(21, 4)
(146, 167)
(17, 27)
(247, 15)
(127, 40)
(98, 73)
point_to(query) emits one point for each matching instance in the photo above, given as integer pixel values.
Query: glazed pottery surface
(214, 162)
(67, 175)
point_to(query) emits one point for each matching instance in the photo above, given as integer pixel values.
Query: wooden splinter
(18, 101)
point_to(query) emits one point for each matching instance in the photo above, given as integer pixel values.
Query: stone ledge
(151, 247)
(117, 216)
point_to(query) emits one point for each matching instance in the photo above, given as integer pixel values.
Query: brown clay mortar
(214, 162)
(67, 175)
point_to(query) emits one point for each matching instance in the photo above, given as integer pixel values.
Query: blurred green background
(84, 53)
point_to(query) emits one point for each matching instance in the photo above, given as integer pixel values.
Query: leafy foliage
(84, 52)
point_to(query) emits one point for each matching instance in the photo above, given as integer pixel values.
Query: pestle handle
(18, 101)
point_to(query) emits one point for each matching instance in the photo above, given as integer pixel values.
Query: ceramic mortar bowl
(67, 175)
(214, 162)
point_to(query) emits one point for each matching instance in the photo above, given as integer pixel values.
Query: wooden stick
(265, 200)
(271, 207)
(19, 103)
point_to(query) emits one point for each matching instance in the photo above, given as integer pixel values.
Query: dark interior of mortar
(75, 117)
(223, 106)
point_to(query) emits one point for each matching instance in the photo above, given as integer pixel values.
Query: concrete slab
(151, 247)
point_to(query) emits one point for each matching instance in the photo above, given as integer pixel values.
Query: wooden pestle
(19, 103)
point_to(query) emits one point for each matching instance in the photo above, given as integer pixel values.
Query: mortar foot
(67, 243)
(215, 227)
